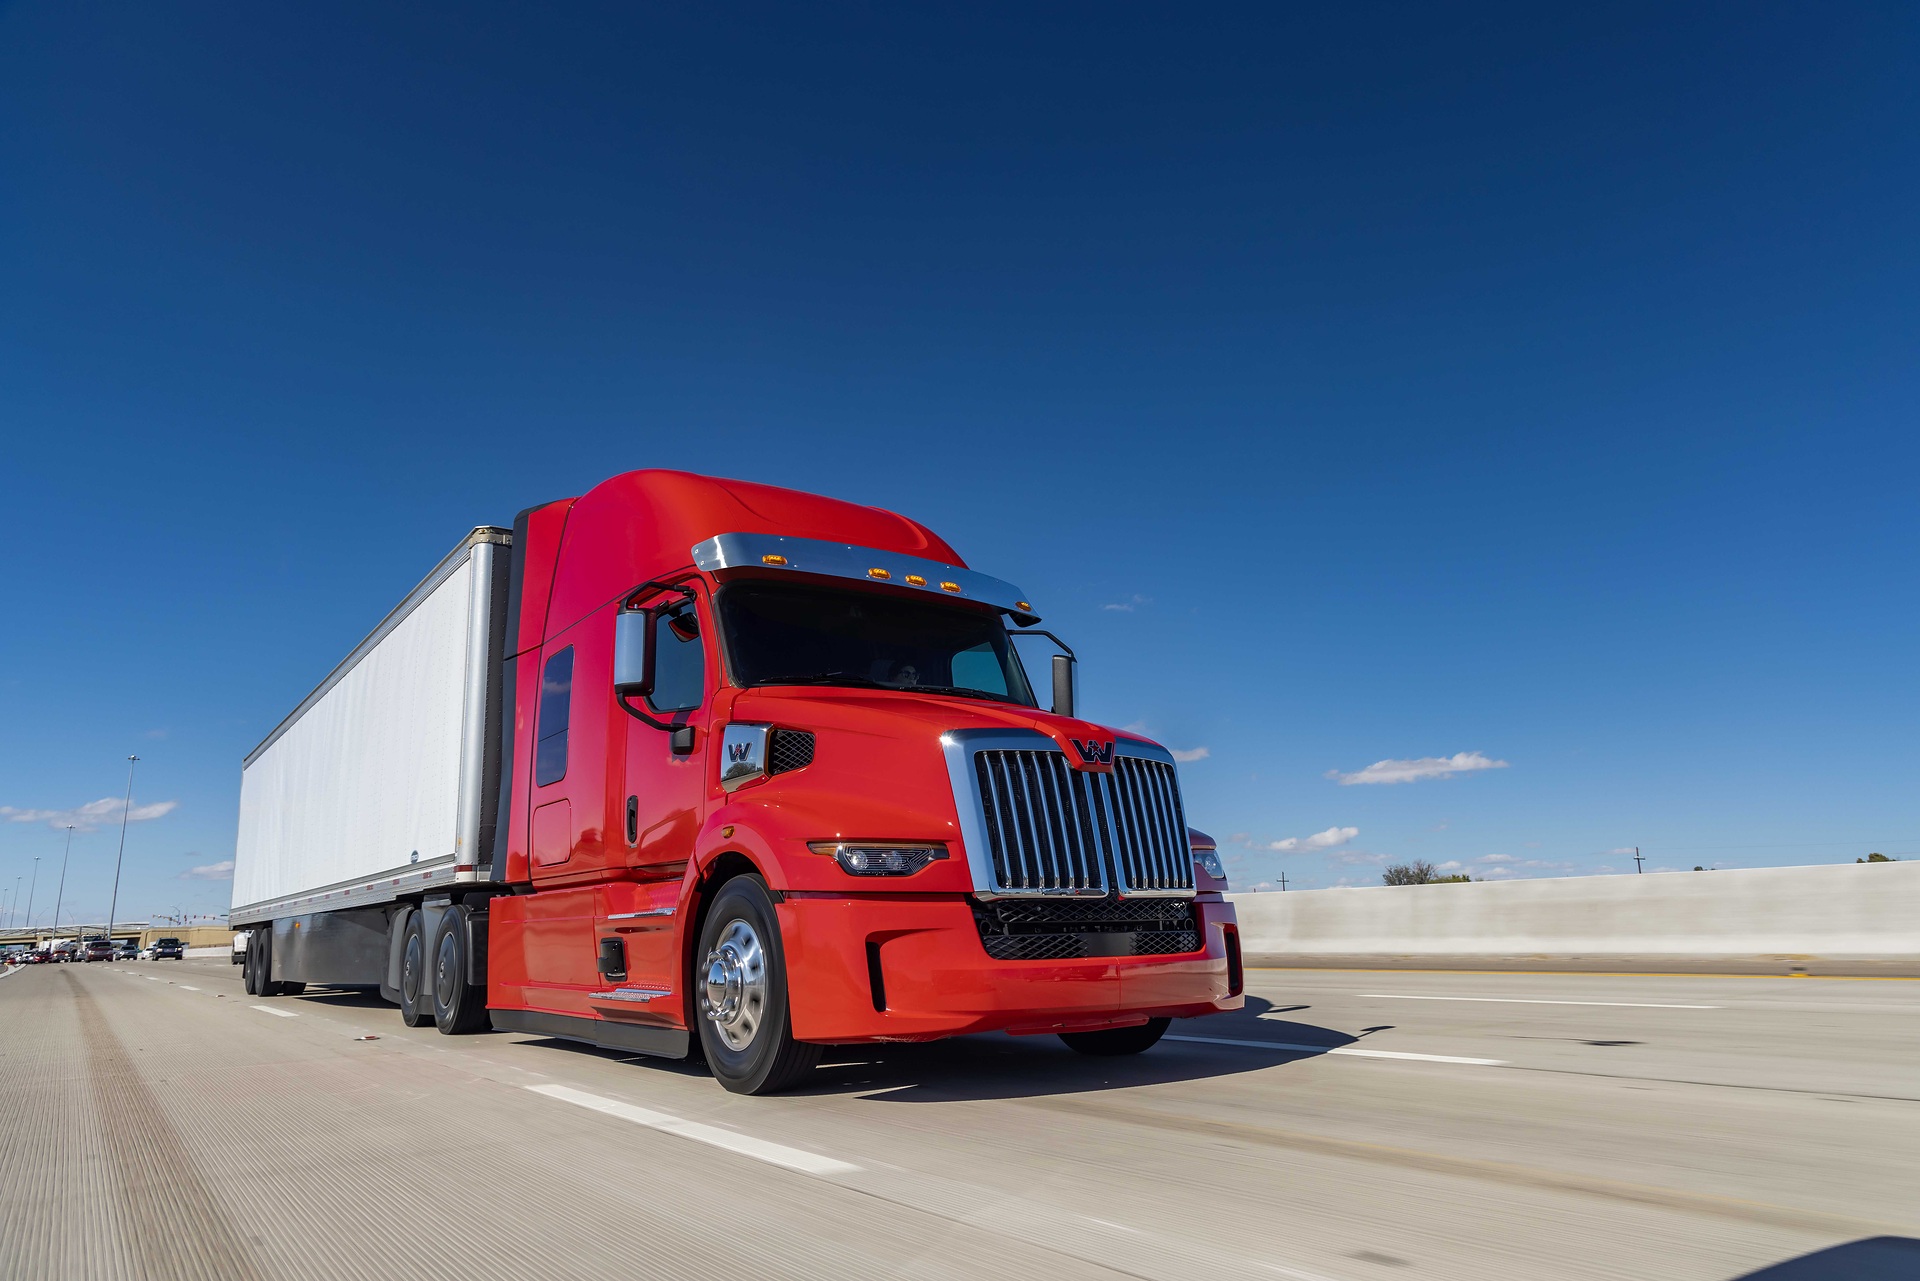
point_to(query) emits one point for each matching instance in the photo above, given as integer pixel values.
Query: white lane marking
(745, 1145)
(1516, 1000)
(268, 1009)
(1290, 1048)
(185, 988)
(151, 978)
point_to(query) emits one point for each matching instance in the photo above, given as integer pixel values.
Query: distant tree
(1418, 872)
(1698, 868)
(1876, 858)
(1458, 878)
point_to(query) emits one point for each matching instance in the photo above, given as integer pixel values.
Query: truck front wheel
(740, 986)
(1110, 1041)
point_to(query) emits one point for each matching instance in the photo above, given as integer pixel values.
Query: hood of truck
(908, 714)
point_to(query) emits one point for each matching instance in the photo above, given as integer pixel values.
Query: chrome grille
(1052, 829)
(1040, 824)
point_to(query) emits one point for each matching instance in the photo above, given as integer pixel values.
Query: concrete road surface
(155, 1122)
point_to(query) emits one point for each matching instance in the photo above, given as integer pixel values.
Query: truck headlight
(878, 858)
(1209, 862)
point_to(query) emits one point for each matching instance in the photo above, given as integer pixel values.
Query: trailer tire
(416, 1008)
(250, 966)
(741, 1006)
(459, 1007)
(1111, 1042)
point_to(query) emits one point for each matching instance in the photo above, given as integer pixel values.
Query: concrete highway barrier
(1853, 912)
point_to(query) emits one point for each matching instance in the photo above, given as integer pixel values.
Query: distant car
(169, 950)
(14, 956)
(126, 950)
(97, 950)
(240, 938)
(38, 958)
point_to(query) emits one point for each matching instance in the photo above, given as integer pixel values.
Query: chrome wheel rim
(734, 995)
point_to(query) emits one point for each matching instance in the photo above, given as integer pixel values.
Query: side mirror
(633, 653)
(1063, 684)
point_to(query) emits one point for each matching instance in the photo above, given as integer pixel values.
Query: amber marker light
(915, 580)
(878, 573)
(949, 587)
(773, 558)
(1024, 606)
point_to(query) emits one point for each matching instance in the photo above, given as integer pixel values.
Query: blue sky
(1367, 385)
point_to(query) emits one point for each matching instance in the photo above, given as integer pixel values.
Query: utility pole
(31, 887)
(114, 903)
(1638, 862)
(60, 898)
(1283, 882)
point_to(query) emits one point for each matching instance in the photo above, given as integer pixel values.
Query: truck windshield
(803, 634)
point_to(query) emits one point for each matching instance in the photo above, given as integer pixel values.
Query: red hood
(867, 711)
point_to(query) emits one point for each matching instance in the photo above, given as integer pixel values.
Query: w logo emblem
(1093, 751)
(739, 753)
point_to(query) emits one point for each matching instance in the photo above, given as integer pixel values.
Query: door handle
(633, 821)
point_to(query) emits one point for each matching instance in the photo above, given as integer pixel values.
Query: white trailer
(380, 789)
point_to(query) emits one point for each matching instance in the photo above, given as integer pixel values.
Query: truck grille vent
(790, 749)
(1058, 929)
(1052, 829)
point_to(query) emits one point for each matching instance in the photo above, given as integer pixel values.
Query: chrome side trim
(743, 754)
(631, 995)
(634, 916)
(849, 560)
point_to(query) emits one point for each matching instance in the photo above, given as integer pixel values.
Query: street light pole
(31, 886)
(113, 904)
(61, 897)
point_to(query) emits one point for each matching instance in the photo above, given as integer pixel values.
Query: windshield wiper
(962, 691)
(825, 678)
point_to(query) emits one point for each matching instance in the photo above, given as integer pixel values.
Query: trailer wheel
(459, 1007)
(416, 1009)
(1111, 1041)
(250, 966)
(740, 980)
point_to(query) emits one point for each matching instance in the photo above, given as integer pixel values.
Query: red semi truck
(688, 765)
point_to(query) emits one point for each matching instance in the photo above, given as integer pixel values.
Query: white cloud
(1620, 851)
(221, 871)
(90, 817)
(1412, 771)
(1451, 865)
(1186, 754)
(1318, 841)
(1130, 604)
(1495, 858)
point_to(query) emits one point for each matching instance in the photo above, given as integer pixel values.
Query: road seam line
(1517, 1000)
(1288, 1047)
(713, 1135)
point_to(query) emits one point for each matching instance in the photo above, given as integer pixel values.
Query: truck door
(665, 794)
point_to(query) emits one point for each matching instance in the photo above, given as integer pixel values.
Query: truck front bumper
(914, 969)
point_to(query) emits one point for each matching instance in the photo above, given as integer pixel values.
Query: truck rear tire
(459, 1007)
(416, 1007)
(740, 982)
(1109, 1042)
(250, 966)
